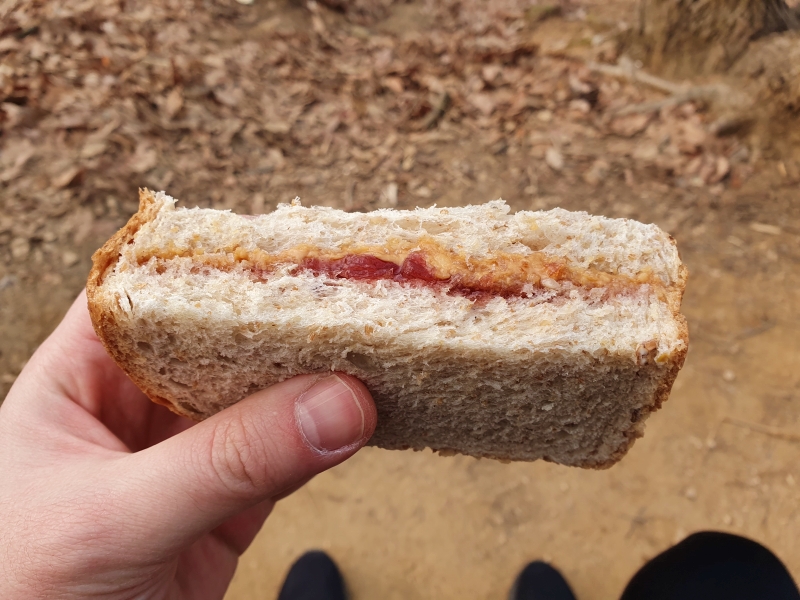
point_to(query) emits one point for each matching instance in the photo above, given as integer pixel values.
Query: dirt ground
(242, 106)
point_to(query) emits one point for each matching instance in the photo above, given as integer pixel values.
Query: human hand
(105, 495)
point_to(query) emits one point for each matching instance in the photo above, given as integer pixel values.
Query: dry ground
(404, 104)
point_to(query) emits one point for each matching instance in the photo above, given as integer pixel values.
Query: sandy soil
(243, 106)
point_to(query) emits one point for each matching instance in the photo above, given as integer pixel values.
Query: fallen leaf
(490, 73)
(21, 153)
(67, 177)
(690, 137)
(484, 103)
(69, 258)
(422, 192)
(92, 149)
(14, 114)
(229, 96)
(8, 44)
(522, 101)
(173, 102)
(581, 106)
(578, 87)
(629, 125)
(597, 172)
(541, 12)
(273, 161)
(82, 223)
(554, 159)
(645, 151)
(278, 127)
(20, 248)
(144, 159)
(693, 166)
(722, 170)
(394, 84)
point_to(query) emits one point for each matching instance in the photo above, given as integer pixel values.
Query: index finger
(72, 365)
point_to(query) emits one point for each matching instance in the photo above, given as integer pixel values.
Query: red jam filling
(414, 270)
(366, 267)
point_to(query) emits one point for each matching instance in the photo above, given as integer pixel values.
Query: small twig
(648, 107)
(625, 69)
(731, 124)
(769, 430)
(754, 331)
(437, 112)
(679, 93)
(700, 92)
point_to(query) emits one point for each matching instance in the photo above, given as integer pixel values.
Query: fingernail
(330, 416)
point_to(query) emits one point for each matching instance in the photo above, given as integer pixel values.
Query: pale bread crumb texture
(614, 245)
(568, 378)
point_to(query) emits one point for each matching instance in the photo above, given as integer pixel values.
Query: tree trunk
(684, 38)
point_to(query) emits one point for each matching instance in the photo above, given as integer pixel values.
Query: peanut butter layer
(503, 274)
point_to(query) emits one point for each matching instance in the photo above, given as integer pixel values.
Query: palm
(114, 415)
(112, 400)
(87, 462)
(205, 569)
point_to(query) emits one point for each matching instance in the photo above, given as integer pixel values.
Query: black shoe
(313, 577)
(540, 581)
(711, 565)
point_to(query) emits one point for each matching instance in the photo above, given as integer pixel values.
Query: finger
(73, 366)
(76, 365)
(237, 533)
(253, 451)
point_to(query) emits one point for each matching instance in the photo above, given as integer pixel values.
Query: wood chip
(765, 228)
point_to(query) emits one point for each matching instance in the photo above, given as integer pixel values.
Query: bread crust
(116, 338)
(103, 320)
(665, 387)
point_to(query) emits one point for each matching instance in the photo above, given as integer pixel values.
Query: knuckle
(240, 458)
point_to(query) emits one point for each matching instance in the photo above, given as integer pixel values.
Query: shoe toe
(540, 581)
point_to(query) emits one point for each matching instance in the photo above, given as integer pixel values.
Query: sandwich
(536, 335)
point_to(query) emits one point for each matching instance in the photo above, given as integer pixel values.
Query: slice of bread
(538, 335)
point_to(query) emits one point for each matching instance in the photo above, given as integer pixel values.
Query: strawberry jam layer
(424, 262)
(366, 266)
(414, 269)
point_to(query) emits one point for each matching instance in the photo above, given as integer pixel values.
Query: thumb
(255, 450)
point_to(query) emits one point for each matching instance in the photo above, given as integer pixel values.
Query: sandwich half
(536, 335)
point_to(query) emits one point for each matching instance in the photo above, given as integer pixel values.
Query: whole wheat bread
(553, 370)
